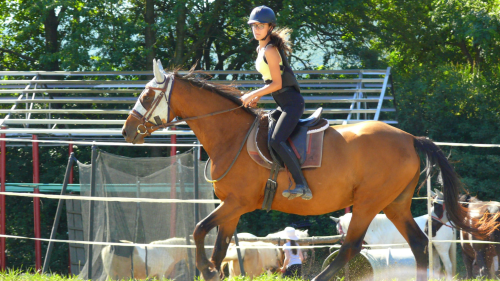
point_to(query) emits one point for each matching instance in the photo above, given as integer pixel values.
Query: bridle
(146, 126)
(439, 219)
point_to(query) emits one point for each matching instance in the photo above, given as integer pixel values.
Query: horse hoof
(211, 276)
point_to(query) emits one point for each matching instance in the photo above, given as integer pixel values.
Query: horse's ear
(160, 66)
(335, 219)
(157, 72)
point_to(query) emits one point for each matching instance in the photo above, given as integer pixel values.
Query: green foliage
(445, 59)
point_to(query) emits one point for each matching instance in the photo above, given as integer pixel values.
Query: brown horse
(481, 254)
(370, 165)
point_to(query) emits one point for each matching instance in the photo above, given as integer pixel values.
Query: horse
(256, 261)
(383, 231)
(484, 255)
(299, 233)
(148, 262)
(260, 261)
(370, 165)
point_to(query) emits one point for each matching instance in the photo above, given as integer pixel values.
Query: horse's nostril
(124, 133)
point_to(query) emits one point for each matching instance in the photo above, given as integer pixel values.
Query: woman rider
(281, 84)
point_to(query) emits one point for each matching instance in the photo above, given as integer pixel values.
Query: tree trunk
(180, 33)
(467, 54)
(206, 53)
(150, 34)
(51, 40)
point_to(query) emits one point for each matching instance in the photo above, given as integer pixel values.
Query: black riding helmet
(263, 14)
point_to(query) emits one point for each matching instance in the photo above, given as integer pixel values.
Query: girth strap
(271, 187)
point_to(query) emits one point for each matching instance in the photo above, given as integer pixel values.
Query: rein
(236, 157)
(143, 129)
(165, 125)
(439, 220)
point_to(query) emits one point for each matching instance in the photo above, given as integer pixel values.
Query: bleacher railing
(81, 104)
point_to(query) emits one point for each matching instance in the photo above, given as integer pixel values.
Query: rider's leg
(284, 128)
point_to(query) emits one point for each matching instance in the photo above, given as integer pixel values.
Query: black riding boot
(293, 165)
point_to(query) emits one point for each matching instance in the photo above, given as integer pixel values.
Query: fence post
(36, 205)
(195, 191)
(91, 210)
(3, 174)
(429, 220)
(69, 167)
(238, 251)
(173, 180)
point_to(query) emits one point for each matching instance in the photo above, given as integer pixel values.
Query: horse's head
(438, 206)
(152, 108)
(438, 212)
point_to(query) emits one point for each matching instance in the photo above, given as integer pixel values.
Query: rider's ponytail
(279, 39)
(293, 244)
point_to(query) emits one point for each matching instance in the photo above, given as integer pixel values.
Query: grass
(17, 275)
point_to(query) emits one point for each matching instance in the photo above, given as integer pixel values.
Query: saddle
(306, 140)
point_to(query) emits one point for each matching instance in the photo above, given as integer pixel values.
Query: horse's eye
(146, 98)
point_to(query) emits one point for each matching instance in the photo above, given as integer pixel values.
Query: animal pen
(148, 221)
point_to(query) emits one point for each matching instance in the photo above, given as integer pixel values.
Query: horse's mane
(197, 78)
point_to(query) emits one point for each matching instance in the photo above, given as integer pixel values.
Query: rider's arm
(287, 259)
(273, 60)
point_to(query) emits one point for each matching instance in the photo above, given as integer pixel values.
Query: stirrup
(299, 191)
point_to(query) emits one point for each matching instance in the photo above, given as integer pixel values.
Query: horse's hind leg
(400, 215)
(360, 221)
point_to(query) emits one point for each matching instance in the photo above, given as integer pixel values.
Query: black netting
(146, 223)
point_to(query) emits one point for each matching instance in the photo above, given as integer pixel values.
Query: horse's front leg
(226, 212)
(224, 237)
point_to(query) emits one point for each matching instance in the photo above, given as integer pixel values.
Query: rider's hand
(248, 98)
(254, 101)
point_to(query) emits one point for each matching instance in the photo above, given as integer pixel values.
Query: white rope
(247, 246)
(101, 143)
(154, 200)
(137, 200)
(466, 144)
(112, 199)
(154, 245)
(158, 144)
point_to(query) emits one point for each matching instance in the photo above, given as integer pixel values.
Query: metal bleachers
(95, 104)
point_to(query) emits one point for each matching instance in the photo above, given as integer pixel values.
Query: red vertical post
(3, 173)
(36, 205)
(173, 187)
(347, 210)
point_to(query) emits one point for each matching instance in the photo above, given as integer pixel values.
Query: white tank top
(294, 259)
(263, 67)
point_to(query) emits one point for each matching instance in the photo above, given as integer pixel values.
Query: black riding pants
(291, 104)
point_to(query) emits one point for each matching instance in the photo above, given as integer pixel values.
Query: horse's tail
(457, 214)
